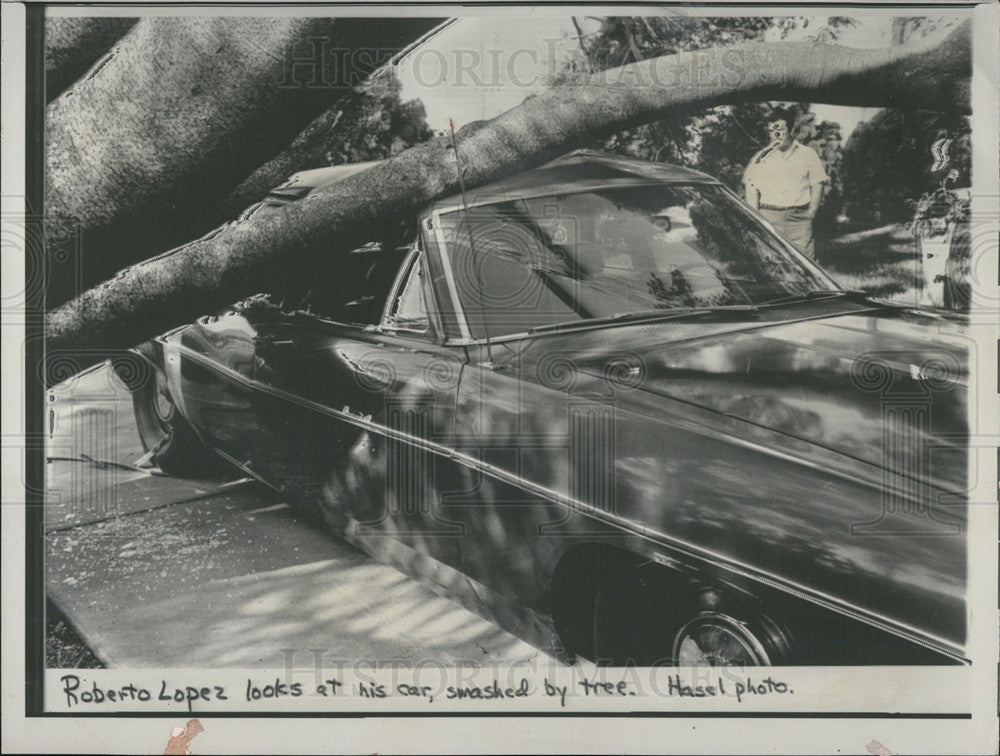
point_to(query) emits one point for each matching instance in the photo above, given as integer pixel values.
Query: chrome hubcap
(162, 404)
(717, 640)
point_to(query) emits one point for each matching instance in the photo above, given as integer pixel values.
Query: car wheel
(654, 620)
(175, 447)
(716, 639)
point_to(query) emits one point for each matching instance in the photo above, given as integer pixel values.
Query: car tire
(176, 448)
(653, 620)
(632, 623)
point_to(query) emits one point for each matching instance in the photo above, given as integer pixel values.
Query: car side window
(372, 271)
(320, 284)
(349, 287)
(406, 310)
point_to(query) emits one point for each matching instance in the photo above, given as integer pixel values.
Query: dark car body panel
(816, 518)
(816, 448)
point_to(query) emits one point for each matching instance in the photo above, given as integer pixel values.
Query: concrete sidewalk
(90, 424)
(233, 579)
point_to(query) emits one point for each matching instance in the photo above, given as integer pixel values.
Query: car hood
(887, 387)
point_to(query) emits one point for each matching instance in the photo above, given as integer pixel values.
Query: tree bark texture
(309, 147)
(179, 113)
(305, 151)
(205, 275)
(73, 45)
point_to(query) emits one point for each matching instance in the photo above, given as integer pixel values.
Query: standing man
(784, 183)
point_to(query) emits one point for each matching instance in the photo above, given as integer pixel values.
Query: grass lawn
(64, 649)
(888, 266)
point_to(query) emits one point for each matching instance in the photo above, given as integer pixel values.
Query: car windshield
(562, 259)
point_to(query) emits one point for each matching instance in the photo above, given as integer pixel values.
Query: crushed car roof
(577, 171)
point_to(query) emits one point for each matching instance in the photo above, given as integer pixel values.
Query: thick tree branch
(176, 115)
(202, 276)
(74, 44)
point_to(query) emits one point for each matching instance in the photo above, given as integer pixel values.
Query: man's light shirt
(784, 179)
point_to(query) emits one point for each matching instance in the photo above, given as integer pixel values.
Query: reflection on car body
(621, 406)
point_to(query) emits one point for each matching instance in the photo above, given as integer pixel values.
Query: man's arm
(815, 197)
(817, 177)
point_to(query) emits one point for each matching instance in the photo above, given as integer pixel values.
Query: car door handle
(267, 341)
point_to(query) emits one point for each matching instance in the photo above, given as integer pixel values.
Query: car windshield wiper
(811, 296)
(640, 315)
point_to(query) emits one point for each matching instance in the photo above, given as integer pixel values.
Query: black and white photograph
(389, 378)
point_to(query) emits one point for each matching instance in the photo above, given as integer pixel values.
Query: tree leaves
(887, 162)
(719, 141)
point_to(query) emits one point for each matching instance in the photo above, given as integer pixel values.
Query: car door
(533, 431)
(294, 387)
(358, 416)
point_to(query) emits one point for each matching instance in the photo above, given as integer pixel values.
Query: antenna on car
(472, 246)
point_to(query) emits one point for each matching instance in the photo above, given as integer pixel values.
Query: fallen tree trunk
(206, 274)
(176, 115)
(73, 44)
(306, 151)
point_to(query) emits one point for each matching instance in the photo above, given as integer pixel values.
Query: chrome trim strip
(397, 284)
(449, 276)
(583, 326)
(661, 540)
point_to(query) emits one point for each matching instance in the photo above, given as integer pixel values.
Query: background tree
(889, 175)
(377, 125)
(907, 28)
(887, 162)
(719, 141)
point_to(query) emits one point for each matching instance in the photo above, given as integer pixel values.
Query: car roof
(579, 170)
